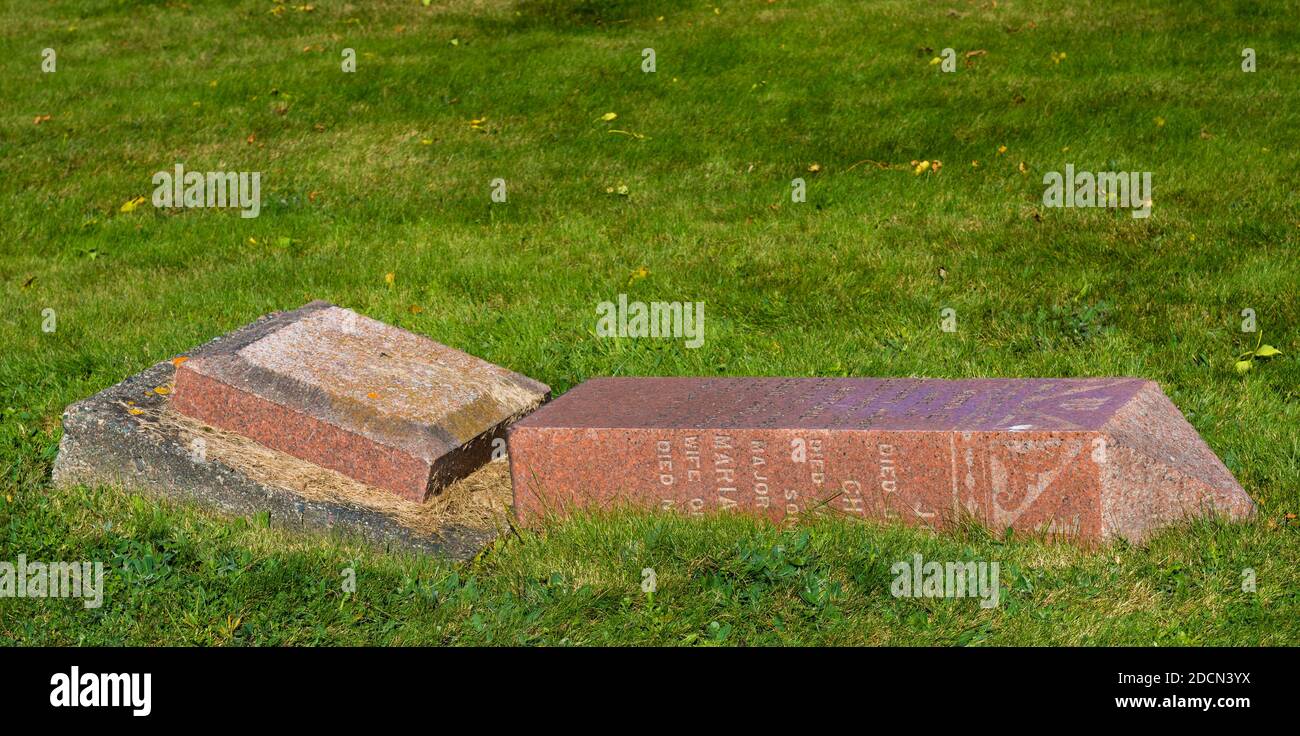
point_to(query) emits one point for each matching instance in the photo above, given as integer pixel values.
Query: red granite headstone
(379, 404)
(1087, 458)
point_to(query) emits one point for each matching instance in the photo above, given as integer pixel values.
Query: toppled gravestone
(1089, 459)
(319, 417)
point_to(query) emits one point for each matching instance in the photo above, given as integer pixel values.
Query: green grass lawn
(381, 172)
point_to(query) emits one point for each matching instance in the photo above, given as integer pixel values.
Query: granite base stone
(121, 437)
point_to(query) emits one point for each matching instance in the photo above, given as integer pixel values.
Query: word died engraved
(664, 459)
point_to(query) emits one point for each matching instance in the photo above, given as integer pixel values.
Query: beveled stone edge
(1221, 498)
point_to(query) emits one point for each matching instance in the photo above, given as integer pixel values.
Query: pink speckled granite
(385, 406)
(1090, 459)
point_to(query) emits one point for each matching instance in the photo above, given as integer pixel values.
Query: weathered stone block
(379, 404)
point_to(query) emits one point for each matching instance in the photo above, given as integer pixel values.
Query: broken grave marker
(1086, 458)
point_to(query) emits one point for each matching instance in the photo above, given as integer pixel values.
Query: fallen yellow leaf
(609, 116)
